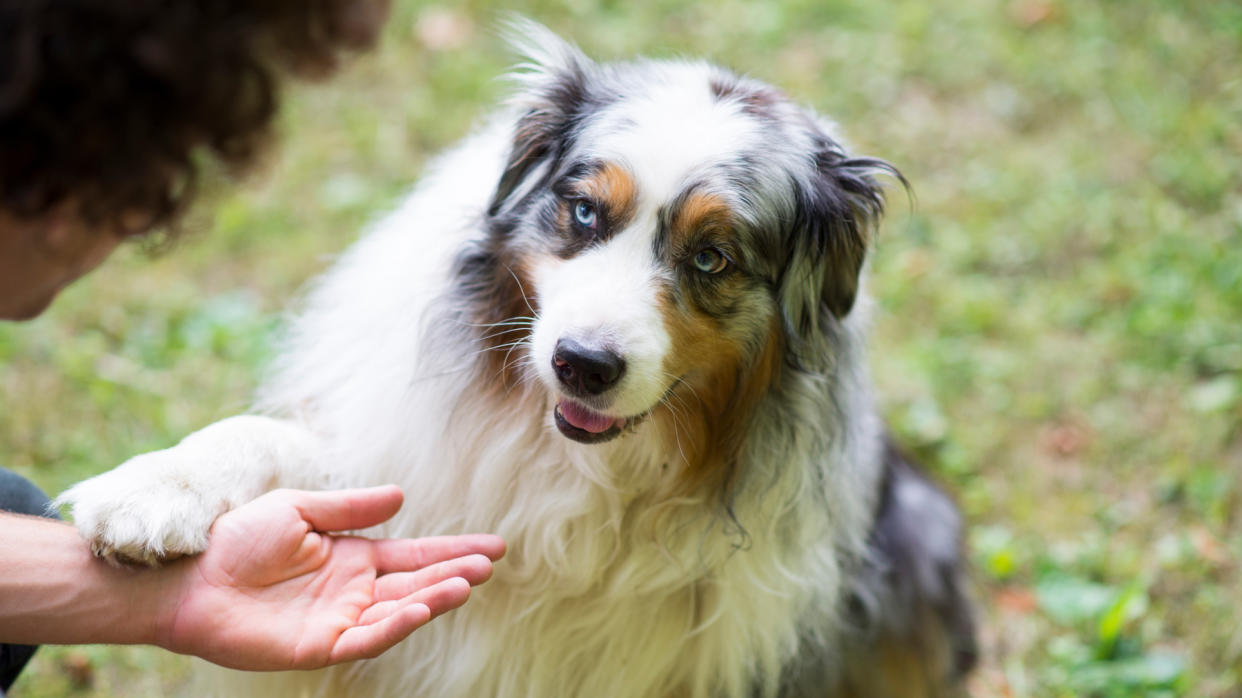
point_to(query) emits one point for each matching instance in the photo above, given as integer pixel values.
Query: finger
(475, 569)
(367, 641)
(438, 598)
(445, 596)
(407, 554)
(339, 510)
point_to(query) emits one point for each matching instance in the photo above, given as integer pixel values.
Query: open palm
(276, 590)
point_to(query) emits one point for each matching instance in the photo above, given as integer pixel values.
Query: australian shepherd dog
(622, 326)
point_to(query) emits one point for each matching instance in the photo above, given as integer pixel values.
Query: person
(107, 110)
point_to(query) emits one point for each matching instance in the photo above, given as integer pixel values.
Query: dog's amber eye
(710, 260)
(585, 215)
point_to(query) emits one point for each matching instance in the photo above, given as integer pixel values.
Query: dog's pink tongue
(585, 419)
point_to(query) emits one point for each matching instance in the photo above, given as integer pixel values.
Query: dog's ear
(552, 92)
(837, 210)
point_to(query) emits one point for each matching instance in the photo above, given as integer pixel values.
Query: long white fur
(607, 590)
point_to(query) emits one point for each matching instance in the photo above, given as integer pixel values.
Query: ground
(1058, 326)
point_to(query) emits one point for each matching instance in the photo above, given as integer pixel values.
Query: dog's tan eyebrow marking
(696, 212)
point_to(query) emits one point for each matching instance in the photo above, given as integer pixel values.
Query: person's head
(107, 108)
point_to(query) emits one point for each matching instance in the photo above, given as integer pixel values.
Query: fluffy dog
(621, 326)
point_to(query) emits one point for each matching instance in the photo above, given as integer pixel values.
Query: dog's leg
(161, 505)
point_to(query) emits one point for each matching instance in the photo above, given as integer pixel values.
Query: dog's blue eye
(709, 260)
(584, 214)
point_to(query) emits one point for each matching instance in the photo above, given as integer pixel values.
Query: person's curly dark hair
(107, 104)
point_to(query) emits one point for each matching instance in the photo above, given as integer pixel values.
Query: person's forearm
(54, 591)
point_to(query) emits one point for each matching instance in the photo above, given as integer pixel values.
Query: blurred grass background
(1059, 333)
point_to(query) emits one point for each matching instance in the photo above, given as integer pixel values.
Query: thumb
(339, 510)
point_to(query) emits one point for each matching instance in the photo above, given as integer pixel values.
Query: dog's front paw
(143, 512)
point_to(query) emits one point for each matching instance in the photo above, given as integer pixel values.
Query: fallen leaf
(1208, 546)
(1028, 13)
(79, 668)
(1016, 600)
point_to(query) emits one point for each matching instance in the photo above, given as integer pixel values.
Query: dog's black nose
(586, 371)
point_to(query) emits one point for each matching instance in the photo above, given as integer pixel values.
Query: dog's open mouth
(584, 425)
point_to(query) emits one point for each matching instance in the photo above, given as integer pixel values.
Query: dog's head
(678, 234)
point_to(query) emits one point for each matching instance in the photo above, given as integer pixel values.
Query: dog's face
(679, 235)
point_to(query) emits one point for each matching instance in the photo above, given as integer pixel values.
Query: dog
(622, 326)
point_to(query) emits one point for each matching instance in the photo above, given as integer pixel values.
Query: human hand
(274, 590)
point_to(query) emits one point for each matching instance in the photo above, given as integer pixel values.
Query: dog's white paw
(143, 512)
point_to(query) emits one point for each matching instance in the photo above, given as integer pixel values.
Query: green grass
(1059, 325)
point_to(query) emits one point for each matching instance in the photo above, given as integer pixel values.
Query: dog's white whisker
(516, 363)
(525, 298)
(497, 347)
(501, 333)
(509, 353)
(676, 436)
(519, 320)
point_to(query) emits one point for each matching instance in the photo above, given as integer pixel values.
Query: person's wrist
(145, 608)
(161, 595)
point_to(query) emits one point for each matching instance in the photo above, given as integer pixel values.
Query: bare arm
(54, 590)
